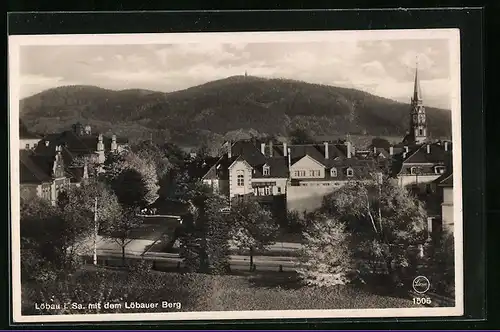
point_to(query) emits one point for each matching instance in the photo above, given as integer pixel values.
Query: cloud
(373, 69)
(411, 58)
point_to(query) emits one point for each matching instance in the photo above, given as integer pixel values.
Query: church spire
(417, 92)
(418, 123)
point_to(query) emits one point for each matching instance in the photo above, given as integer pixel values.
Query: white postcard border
(15, 42)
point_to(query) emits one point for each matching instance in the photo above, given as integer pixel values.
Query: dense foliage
(253, 226)
(386, 224)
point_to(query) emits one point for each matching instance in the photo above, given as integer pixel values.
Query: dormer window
(350, 172)
(266, 170)
(414, 170)
(439, 169)
(333, 172)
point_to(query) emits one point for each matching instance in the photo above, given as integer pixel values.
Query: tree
(380, 143)
(56, 236)
(81, 200)
(385, 222)
(218, 228)
(121, 230)
(326, 258)
(204, 243)
(130, 189)
(439, 264)
(300, 136)
(253, 226)
(147, 150)
(128, 166)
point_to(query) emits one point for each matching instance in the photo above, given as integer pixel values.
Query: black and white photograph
(249, 175)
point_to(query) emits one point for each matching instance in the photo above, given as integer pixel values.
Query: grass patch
(201, 292)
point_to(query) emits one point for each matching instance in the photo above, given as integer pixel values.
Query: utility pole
(95, 232)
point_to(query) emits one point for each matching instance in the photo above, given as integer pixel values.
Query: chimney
(114, 146)
(263, 148)
(88, 130)
(404, 155)
(289, 154)
(327, 153)
(428, 148)
(270, 148)
(47, 143)
(285, 149)
(349, 149)
(391, 150)
(406, 149)
(100, 144)
(375, 150)
(445, 146)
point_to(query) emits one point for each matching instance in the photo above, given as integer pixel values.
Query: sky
(384, 68)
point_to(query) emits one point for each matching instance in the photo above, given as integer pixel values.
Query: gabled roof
(298, 152)
(240, 158)
(221, 166)
(447, 181)
(34, 169)
(437, 155)
(296, 160)
(249, 151)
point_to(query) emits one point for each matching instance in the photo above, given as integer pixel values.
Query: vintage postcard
(212, 176)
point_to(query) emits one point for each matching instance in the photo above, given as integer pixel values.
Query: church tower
(418, 122)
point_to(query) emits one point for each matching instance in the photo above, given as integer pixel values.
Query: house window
(333, 172)
(240, 179)
(300, 173)
(350, 172)
(34, 145)
(420, 132)
(267, 191)
(279, 190)
(414, 170)
(267, 170)
(27, 146)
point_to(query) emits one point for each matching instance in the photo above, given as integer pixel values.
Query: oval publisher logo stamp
(421, 284)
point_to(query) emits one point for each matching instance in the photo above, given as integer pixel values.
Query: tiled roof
(447, 181)
(34, 169)
(249, 151)
(278, 168)
(436, 154)
(220, 169)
